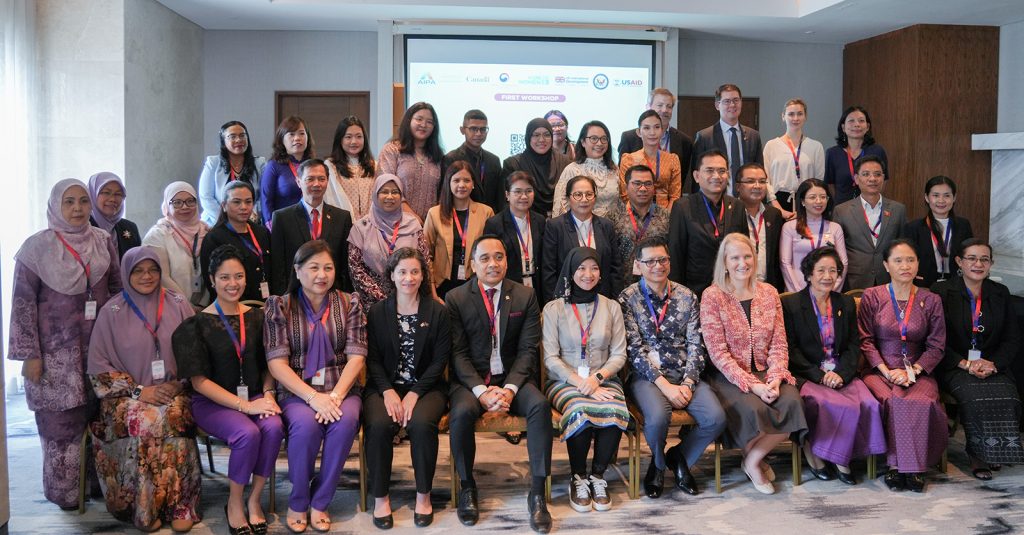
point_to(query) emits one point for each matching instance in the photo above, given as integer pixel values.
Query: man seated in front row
(667, 355)
(495, 338)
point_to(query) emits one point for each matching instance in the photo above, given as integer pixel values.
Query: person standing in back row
(488, 186)
(663, 102)
(741, 144)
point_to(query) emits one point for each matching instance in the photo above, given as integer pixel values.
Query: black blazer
(432, 346)
(917, 231)
(773, 222)
(290, 230)
(255, 269)
(805, 349)
(1001, 338)
(679, 144)
(488, 188)
(712, 137)
(692, 244)
(126, 235)
(503, 225)
(560, 238)
(518, 328)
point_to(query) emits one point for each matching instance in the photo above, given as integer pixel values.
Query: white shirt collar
(726, 126)
(867, 205)
(309, 209)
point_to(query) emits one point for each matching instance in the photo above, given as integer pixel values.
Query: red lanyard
(975, 317)
(295, 170)
(943, 248)
(492, 310)
(184, 241)
(757, 230)
(239, 345)
(255, 243)
(524, 244)
(231, 172)
(657, 319)
(872, 229)
(458, 227)
(159, 314)
(903, 319)
(590, 231)
(78, 258)
(796, 154)
(394, 238)
(639, 232)
(711, 213)
(585, 331)
(849, 160)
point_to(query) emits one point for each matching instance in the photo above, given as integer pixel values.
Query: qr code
(517, 143)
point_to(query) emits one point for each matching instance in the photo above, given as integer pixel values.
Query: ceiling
(810, 21)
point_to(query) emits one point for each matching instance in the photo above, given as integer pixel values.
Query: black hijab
(566, 287)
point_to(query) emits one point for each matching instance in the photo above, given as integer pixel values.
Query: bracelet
(310, 397)
(270, 391)
(691, 386)
(238, 406)
(334, 395)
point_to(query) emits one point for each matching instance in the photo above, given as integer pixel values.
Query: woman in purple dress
(903, 336)
(844, 419)
(62, 275)
(293, 144)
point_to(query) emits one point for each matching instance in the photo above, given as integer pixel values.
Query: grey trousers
(657, 411)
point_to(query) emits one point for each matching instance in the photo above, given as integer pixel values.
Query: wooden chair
(83, 451)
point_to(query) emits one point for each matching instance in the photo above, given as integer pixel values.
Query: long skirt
(844, 423)
(147, 460)
(915, 422)
(579, 411)
(747, 415)
(990, 411)
(60, 433)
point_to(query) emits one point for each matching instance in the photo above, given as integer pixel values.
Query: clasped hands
(327, 407)
(768, 392)
(266, 406)
(591, 387)
(981, 368)
(162, 394)
(399, 408)
(832, 380)
(496, 399)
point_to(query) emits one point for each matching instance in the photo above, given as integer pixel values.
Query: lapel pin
(424, 324)
(887, 214)
(839, 313)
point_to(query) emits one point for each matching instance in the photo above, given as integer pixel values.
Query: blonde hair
(795, 101)
(722, 279)
(663, 92)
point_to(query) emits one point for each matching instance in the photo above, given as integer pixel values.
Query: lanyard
(796, 154)
(295, 170)
(657, 164)
(254, 246)
(873, 229)
(711, 213)
(757, 230)
(821, 232)
(657, 319)
(849, 159)
(590, 231)
(903, 318)
(664, 143)
(632, 219)
(826, 327)
(394, 238)
(159, 314)
(458, 227)
(944, 247)
(585, 332)
(976, 326)
(523, 244)
(78, 258)
(492, 311)
(193, 249)
(239, 344)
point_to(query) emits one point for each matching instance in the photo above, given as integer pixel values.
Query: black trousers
(529, 402)
(422, 430)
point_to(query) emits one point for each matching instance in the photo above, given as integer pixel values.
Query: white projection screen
(513, 80)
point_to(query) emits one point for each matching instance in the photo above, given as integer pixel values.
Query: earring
(959, 272)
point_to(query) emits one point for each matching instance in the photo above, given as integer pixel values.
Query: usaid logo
(600, 81)
(629, 83)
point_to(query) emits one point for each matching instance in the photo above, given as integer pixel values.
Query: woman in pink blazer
(745, 335)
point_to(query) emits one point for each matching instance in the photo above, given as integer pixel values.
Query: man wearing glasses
(663, 102)
(636, 219)
(764, 223)
(667, 356)
(487, 184)
(741, 144)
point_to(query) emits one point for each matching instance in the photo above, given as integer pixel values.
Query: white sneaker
(579, 494)
(599, 490)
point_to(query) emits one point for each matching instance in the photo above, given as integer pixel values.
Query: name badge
(158, 370)
(462, 272)
(826, 239)
(318, 379)
(264, 289)
(528, 266)
(910, 374)
(242, 392)
(528, 281)
(90, 310)
(583, 371)
(974, 354)
(828, 365)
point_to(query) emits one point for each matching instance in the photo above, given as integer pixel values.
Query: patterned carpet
(953, 503)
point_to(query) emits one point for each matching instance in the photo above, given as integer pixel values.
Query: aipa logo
(426, 79)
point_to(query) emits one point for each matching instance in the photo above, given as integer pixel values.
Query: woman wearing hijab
(177, 238)
(143, 440)
(584, 349)
(62, 275)
(544, 164)
(107, 193)
(315, 340)
(378, 234)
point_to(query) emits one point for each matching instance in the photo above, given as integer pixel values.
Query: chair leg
(634, 466)
(797, 465)
(547, 489)
(872, 467)
(199, 456)
(363, 499)
(718, 467)
(209, 453)
(272, 481)
(83, 451)
(944, 462)
(454, 478)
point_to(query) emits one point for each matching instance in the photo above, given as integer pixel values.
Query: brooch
(126, 234)
(425, 324)
(115, 308)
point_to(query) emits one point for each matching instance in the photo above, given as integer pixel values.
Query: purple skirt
(844, 424)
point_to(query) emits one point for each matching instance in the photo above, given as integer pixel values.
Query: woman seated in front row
(315, 341)
(903, 334)
(845, 420)
(745, 335)
(145, 451)
(409, 343)
(982, 340)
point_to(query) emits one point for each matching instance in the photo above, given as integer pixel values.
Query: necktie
(315, 230)
(735, 156)
(490, 295)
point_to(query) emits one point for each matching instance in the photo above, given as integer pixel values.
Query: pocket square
(515, 314)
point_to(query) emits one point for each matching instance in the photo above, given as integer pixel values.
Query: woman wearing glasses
(178, 240)
(522, 231)
(560, 142)
(981, 343)
(580, 227)
(235, 162)
(541, 161)
(668, 179)
(593, 159)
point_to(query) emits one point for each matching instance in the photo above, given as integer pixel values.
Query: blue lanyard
(159, 315)
(826, 327)
(976, 326)
(657, 320)
(902, 318)
(711, 213)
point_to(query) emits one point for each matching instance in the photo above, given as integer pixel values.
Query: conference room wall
(773, 72)
(1011, 78)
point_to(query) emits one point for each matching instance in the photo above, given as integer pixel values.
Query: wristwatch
(600, 376)
(137, 392)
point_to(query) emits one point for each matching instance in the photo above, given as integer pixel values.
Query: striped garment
(579, 411)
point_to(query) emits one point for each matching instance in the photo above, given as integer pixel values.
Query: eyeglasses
(521, 192)
(721, 171)
(759, 182)
(597, 139)
(178, 204)
(478, 129)
(729, 101)
(541, 135)
(651, 262)
(641, 185)
(115, 195)
(580, 195)
(557, 124)
(237, 137)
(983, 260)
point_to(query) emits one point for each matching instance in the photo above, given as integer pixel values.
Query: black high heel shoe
(241, 530)
(259, 528)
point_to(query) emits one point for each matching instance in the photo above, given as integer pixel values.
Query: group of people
(311, 297)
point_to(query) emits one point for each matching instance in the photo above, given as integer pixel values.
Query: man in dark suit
(311, 218)
(522, 231)
(664, 102)
(494, 362)
(700, 221)
(866, 242)
(764, 223)
(487, 183)
(741, 144)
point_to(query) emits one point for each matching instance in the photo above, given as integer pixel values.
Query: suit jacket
(503, 225)
(773, 222)
(432, 346)
(806, 352)
(560, 237)
(712, 137)
(518, 329)
(440, 236)
(290, 230)
(865, 259)
(692, 244)
(918, 232)
(1001, 339)
(488, 186)
(679, 144)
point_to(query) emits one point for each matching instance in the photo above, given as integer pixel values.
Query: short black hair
(516, 177)
(893, 244)
(645, 115)
(650, 242)
(709, 154)
(483, 238)
(812, 258)
(641, 168)
(474, 115)
(223, 254)
(868, 159)
(312, 162)
(403, 253)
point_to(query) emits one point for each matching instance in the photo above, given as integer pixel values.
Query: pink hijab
(171, 223)
(368, 233)
(45, 255)
(96, 183)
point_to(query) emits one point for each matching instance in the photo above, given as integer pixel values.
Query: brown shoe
(599, 494)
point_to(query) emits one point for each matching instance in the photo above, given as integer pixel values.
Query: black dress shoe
(468, 510)
(846, 478)
(895, 481)
(540, 518)
(823, 474)
(654, 482)
(915, 482)
(245, 529)
(684, 479)
(384, 522)
(422, 520)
